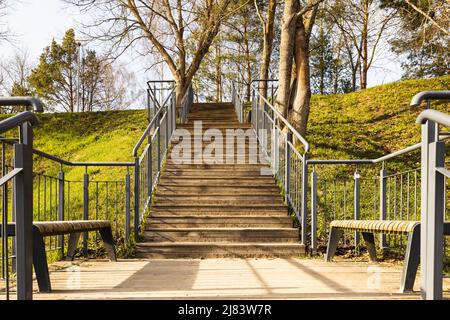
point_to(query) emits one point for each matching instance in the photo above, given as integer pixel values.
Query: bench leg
(369, 239)
(72, 246)
(333, 240)
(40, 262)
(107, 238)
(411, 263)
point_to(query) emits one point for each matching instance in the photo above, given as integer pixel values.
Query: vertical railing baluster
(287, 168)
(383, 203)
(106, 200)
(314, 212)
(85, 209)
(136, 197)
(60, 207)
(127, 207)
(356, 203)
(325, 209)
(304, 205)
(116, 206)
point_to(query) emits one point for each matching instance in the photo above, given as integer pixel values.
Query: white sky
(36, 22)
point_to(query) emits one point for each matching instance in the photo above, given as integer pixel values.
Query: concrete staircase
(207, 210)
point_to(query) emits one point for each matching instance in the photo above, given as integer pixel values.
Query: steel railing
(238, 101)
(186, 104)
(149, 158)
(51, 195)
(374, 193)
(276, 137)
(433, 193)
(21, 177)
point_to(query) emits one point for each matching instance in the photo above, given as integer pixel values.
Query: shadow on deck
(227, 279)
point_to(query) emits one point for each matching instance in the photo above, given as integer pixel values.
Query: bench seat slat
(384, 226)
(49, 228)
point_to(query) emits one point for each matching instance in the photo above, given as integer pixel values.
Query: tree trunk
(288, 28)
(364, 42)
(181, 87)
(218, 74)
(268, 35)
(300, 112)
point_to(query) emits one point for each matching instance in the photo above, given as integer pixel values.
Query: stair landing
(213, 209)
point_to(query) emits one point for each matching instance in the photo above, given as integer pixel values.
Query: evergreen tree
(422, 44)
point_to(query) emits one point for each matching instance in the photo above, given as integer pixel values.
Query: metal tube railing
(433, 194)
(276, 137)
(22, 174)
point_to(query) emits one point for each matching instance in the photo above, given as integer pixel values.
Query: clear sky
(36, 22)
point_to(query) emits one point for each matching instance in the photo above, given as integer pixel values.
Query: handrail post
(435, 217)
(159, 144)
(61, 207)
(287, 170)
(256, 109)
(432, 212)
(85, 209)
(428, 133)
(275, 150)
(23, 200)
(356, 203)
(304, 198)
(166, 120)
(127, 207)
(149, 170)
(383, 204)
(314, 212)
(136, 197)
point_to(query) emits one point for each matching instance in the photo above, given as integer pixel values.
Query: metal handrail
(17, 120)
(366, 161)
(435, 116)
(146, 131)
(33, 102)
(82, 164)
(284, 121)
(10, 175)
(429, 95)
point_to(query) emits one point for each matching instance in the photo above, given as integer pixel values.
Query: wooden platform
(226, 279)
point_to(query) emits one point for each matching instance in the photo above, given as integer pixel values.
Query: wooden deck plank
(226, 279)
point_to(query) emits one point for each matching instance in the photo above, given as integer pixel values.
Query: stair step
(205, 207)
(217, 191)
(219, 250)
(221, 235)
(273, 211)
(218, 221)
(221, 127)
(216, 202)
(218, 181)
(214, 174)
(205, 166)
(213, 169)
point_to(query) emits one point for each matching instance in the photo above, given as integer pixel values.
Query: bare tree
(268, 28)
(4, 31)
(363, 23)
(297, 24)
(14, 73)
(180, 31)
(114, 89)
(446, 17)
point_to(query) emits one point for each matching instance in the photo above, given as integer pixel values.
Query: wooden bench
(369, 227)
(54, 228)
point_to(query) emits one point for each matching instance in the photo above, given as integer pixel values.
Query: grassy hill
(364, 124)
(369, 123)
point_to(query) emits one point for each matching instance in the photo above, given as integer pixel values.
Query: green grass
(364, 124)
(369, 123)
